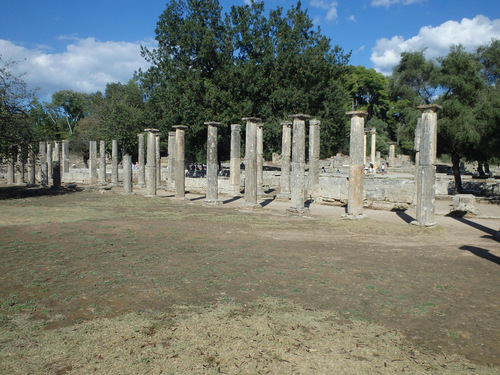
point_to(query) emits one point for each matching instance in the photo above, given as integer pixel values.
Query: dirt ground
(70, 257)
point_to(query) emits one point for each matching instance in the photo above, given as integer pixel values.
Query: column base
(352, 217)
(251, 206)
(150, 196)
(425, 225)
(297, 211)
(212, 202)
(284, 196)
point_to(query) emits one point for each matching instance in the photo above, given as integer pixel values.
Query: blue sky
(84, 44)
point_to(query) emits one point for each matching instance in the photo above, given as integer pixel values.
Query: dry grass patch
(268, 336)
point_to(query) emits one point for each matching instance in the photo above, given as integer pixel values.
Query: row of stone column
(49, 170)
(425, 145)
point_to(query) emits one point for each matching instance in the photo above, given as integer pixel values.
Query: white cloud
(352, 18)
(388, 3)
(330, 6)
(436, 41)
(86, 65)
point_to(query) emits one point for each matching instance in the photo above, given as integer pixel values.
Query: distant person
(382, 167)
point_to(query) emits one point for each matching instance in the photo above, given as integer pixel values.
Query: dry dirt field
(120, 284)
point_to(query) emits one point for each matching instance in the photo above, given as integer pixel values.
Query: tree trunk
(487, 168)
(455, 159)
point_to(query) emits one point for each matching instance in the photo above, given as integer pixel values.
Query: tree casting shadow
(482, 253)
(22, 192)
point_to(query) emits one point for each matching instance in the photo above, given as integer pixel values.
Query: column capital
(429, 107)
(300, 116)
(251, 119)
(212, 123)
(236, 127)
(152, 130)
(371, 130)
(357, 113)
(392, 143)
(286, 123)
(260, 125)
(179, 127)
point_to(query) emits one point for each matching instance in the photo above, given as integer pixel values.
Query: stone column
(42, 150)
(127, 174)
(235, 172)
(49, 162)
(251, 162)
(260, 159)
(373, 132)
(356, 151)
(158, 161)
(212, 196)
(114, 162)
(171, 161)
(314, 148)
(102, 162)
(141, 177)
(297, 177)
(364, 146)
(426, 172)
(20, 177)
(151, 163)
(31, 165)
(65, 155)
(93, 162)
(392, 154)
(286, 152)
(10, 170)
(180, 167)
(56, 164)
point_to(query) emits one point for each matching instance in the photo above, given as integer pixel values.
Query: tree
(68, 107)
(15, 102)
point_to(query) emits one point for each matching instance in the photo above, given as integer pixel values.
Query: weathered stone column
(356, 151)
(314, 148)
(234, 171)
(10, 170)
(251, 162)
(373, 132)
(114, 162)
(93, 162)
(212, 196)
(171, 161)
(20, 177)
(364, 146)
(286, 152)
(31, 165)
(65, 155)
(426, 173)
(297, 179)
(42, 151)
(127, 174)
(392, 154)
(151, 163)
(158, 161)
(180, 167)
(141, 177)
(49, 162)
(102, 162)
(260, 159)
(56, 164)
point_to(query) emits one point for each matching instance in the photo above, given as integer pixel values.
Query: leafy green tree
(68, 107)
(15, 103)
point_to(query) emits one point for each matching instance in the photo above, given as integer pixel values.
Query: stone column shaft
(171, 161)
(180, 167)
(151, 163)
(114, 162)
(426, 173)
(56, 164)
(286, 152)
(141, 177)
(364, 147)
(260, 159)
(42, 150)
(235, 172)
(392, 154)
(314, 150)
(158, 161)
(251, 162)
(373, 149)
(31, 165)
(102, 162)
(20, 177)
(357, 155)
(49, 162)
(10, 170)
(127, 174)
(65, 155)
(212, 196)
(93, 162)
(297, 177)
